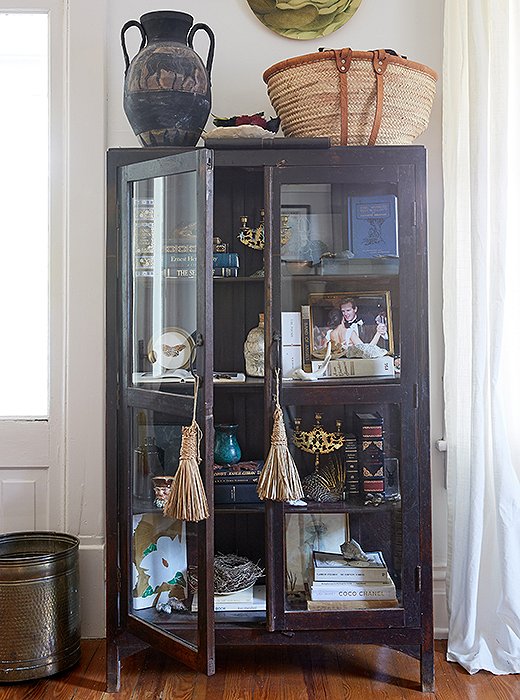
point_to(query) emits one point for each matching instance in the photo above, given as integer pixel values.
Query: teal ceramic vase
(227, 450)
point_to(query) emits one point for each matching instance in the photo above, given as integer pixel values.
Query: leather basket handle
(343, 58)
(379, 64)
(127, 25)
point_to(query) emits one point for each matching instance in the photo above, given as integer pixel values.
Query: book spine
(180, 259)
(351, 465)
(306, 338)
(189, 272)
(225, 260)
(371, 454)
(181, 248)
(237, 479)
(234, 607)
(352, 591)
(366, 575)
(346, 367)
(225, 272)
(323, 605)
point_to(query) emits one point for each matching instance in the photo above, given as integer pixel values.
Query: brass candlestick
(255, 237)
(317, 440)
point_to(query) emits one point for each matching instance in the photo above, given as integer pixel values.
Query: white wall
(244, 49)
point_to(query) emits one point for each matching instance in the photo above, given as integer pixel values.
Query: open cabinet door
(164, 327)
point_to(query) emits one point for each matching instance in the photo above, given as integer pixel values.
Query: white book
(352, 590)
(358, 367)
(222, 605)
(333, 567)
(245, 595)
(291, 328)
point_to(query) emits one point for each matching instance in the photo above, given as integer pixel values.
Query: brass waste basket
(39, 604)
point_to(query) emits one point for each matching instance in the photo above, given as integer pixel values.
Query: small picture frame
(349, 318)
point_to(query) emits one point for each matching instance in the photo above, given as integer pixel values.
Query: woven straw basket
(354, 97)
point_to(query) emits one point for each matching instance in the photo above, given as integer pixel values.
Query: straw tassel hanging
(279, 480)
(187, 498)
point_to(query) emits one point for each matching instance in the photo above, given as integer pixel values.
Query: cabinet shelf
(344, 507)
(351, 391)
(244, 508)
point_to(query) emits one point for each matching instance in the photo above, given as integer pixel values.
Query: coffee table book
(328, 566)
(223, 604)
(353, 590)
(340, 605)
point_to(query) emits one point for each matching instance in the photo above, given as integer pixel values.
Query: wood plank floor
(292, 673)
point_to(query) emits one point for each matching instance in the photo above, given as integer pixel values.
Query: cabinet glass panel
(343, 550)
(164, 254)
(339, 258)
(238, 279)
(163, 556)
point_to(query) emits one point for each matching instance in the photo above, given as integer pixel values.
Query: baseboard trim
(440, 610)
(92, 587)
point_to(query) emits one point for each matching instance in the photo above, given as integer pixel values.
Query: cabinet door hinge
(418, 581)
(414, 213)
(416, 396)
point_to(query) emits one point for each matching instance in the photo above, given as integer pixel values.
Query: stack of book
(236, 483)
(338, 584)
(183, 263)
(252, 598)
(225, 264)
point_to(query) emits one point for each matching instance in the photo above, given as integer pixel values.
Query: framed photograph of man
(349, 319)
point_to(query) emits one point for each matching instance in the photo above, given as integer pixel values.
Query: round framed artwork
(304, 19)
(172, 349)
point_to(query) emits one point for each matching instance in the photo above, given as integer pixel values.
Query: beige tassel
(187, 498)
(279, 480)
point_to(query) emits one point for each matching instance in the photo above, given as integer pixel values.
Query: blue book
(225, 260)
(373, 226)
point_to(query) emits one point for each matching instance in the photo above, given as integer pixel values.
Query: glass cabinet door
(166, 340)
(341, 255)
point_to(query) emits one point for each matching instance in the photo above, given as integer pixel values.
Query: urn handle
(127, 25)
(211, 51)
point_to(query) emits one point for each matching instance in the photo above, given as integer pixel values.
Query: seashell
(352, 551)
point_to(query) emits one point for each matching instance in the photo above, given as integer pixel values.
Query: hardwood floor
(298, 673)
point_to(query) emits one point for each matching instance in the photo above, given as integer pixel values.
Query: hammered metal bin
(39, 604)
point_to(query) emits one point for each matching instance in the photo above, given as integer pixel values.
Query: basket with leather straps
(354, 97)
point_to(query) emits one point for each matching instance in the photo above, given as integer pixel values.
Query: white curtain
(481, 157)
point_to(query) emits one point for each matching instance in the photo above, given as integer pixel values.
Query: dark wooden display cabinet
(167, 315)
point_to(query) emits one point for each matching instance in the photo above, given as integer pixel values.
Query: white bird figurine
(314, 376)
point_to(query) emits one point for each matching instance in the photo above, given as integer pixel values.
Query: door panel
(166, 246)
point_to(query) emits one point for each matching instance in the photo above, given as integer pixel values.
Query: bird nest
(232, 573)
